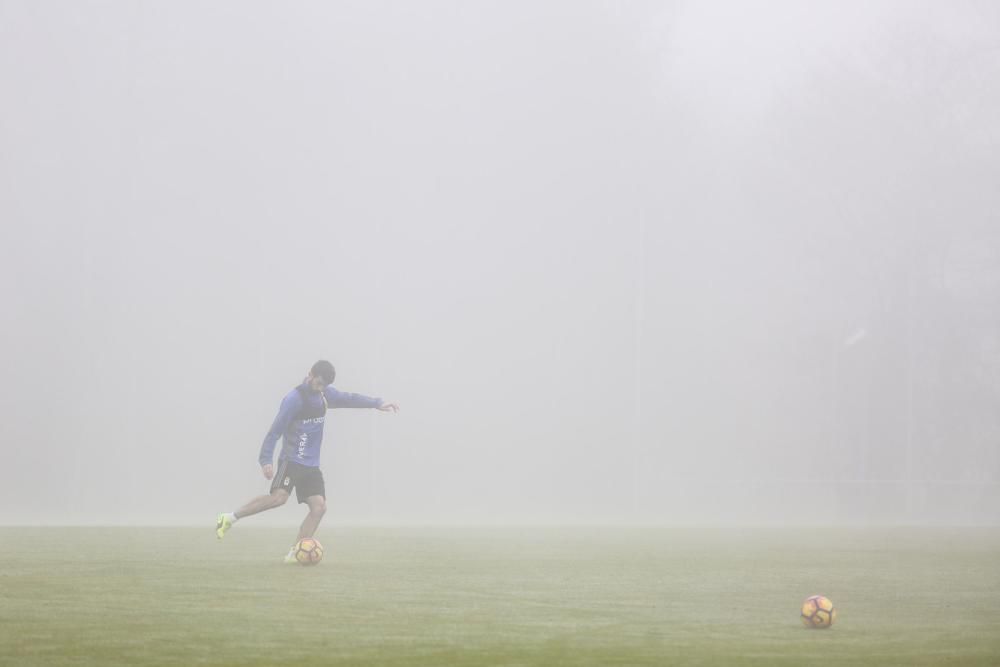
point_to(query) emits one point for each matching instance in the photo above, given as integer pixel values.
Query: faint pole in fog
(834, 398)
(640, 297)
(853, 469)
(852, 340)
(373, 434)
(372, 421)
(908, 473)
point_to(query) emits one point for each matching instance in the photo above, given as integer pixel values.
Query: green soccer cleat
(223, 524)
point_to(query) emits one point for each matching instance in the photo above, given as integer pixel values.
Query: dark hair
(324, 369)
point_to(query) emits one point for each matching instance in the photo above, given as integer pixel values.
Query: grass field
(505, 596)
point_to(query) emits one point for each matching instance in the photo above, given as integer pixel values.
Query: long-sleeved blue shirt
(300, 422)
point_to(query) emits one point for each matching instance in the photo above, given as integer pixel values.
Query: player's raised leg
(276, 498)
(225, 521)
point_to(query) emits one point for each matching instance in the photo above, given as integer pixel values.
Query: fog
(617, 262)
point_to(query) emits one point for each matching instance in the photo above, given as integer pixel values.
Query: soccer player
(300, 422)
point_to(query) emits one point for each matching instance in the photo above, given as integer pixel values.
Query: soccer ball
(818, 612)
(308, 551)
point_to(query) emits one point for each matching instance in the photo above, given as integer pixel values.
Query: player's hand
(388, 407)
(268, 470)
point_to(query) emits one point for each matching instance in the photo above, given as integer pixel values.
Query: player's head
(321, 374)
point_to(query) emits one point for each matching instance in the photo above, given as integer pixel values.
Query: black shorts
(307, 480)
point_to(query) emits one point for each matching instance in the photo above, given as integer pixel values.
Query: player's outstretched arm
(345, 399)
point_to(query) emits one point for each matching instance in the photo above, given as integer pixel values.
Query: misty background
(616, 261)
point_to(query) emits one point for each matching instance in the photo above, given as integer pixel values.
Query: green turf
(506, 596)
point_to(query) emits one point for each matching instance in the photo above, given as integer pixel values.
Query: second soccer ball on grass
(818, 612)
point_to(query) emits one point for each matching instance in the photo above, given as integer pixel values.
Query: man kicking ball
(300, 420)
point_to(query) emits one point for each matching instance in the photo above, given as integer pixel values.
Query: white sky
(605, 255)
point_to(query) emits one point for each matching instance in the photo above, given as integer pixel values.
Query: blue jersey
(300, 422)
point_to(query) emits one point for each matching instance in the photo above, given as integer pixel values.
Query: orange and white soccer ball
(818, 612)
(308, 551)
